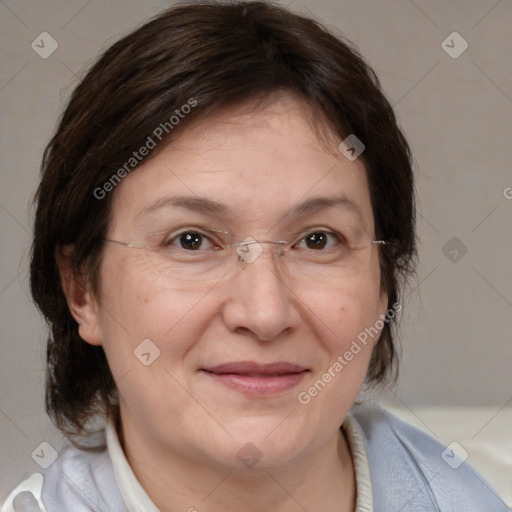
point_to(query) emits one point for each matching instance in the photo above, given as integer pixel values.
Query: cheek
(342, 318)
(343, 312)
(148, 335)
(135, 306)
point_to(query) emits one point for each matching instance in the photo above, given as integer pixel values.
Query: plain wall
(455, 112)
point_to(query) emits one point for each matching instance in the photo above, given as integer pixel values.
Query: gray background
(456, 113)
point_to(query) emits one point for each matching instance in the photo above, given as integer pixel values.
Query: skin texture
(181, 429)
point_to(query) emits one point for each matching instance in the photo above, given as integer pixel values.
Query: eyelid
(187, 227)
(300, 235)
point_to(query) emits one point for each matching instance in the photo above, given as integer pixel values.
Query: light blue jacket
(410, 472)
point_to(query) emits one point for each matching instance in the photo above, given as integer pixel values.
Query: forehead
(251, 166)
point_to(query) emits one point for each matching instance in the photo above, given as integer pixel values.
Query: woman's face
(234, 360)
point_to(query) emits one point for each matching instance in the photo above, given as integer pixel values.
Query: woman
(224, 220)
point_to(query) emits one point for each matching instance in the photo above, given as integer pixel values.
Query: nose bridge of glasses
(252, 241)
(250, 249)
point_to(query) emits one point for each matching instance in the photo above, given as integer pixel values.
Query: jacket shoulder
(411, 471)
(78, 480)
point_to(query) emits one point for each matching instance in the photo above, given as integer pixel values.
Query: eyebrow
(316, 204)
(205, 205)
(192, 203)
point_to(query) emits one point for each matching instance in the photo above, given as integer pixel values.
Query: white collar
(364, 502)
(134, 496)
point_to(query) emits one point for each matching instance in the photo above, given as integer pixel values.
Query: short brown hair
(219, 54)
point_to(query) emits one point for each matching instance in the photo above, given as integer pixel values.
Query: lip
(257, 379)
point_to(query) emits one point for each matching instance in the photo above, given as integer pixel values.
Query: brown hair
(217, 55)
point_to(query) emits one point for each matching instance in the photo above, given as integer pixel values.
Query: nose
(259, 301)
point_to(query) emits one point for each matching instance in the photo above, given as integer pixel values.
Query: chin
(264, 443)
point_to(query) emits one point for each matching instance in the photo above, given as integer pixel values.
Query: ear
(82, 303)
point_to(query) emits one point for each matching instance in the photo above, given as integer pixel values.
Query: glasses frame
(244, 243)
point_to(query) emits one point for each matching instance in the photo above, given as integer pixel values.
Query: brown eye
(316, 240)
(191, 241)
(188, 240)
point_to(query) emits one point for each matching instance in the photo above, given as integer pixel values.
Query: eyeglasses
(209, 254)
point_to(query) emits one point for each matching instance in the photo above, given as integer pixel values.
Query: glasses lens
(331, 267)
(191, 257)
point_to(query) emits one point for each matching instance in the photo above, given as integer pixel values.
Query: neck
(322, 480)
